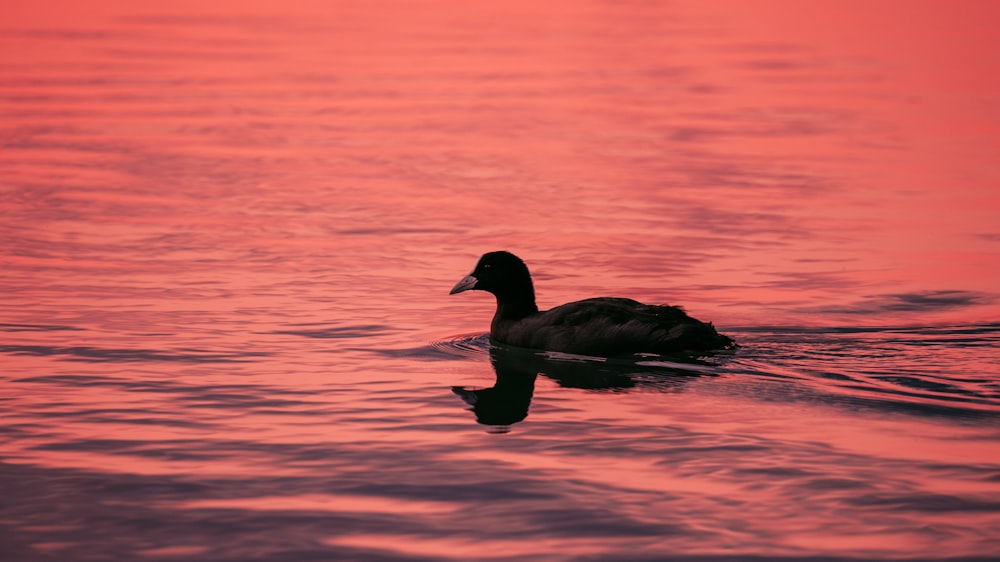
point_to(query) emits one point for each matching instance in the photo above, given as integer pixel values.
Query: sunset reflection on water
(229, 232)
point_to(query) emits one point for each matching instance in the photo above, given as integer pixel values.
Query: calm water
(228, 235)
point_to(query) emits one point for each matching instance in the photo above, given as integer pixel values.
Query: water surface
(229, 232)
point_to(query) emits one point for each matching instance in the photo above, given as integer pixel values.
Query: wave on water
(465, 345)
(101, 354)
(459, 347)
(937, 370)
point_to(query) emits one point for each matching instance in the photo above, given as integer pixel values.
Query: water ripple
(36, 328)
(920, 370)
(465, 345)
(98, 354)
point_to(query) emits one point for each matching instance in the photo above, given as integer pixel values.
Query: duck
(602, 326)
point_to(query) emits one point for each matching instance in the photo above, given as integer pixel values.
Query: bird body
(603, 326)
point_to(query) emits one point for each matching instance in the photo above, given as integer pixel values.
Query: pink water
(229, 232)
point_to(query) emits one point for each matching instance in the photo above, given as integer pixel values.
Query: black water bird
(604, 326)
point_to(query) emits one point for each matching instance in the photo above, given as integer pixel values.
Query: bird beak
(467, 282)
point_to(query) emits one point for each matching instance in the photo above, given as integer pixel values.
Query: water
(229, 232)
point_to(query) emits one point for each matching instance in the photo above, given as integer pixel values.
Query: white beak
(467, 282)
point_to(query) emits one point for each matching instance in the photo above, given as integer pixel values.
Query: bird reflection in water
(507, 401)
